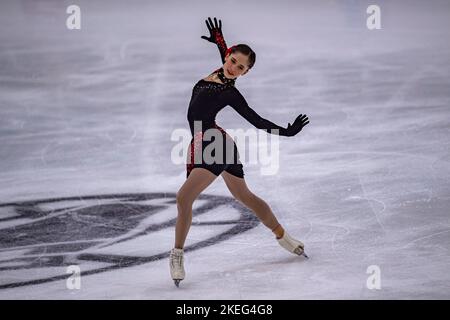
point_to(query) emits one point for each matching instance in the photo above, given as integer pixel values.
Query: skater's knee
(180, 198)
(183, 199)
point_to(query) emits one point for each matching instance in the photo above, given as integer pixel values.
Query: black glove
(216, 36)
(297, 126)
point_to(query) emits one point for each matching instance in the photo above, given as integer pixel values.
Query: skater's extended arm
(216, 36)
(238, 103)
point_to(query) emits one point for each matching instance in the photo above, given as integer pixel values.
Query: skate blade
(177, 282)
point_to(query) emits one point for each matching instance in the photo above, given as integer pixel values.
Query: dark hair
(245, 50)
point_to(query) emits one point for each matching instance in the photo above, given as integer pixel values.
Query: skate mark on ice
(347, 231)
(370, 204)
(425, 237)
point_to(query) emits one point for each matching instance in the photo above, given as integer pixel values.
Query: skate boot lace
(176, 260)
(299, 250)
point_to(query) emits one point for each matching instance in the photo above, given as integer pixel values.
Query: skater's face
(236, 64)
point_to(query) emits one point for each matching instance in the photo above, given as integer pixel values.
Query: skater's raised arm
(238, 103)
(216, 36)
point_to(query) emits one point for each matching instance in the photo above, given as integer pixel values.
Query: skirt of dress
(203, 154)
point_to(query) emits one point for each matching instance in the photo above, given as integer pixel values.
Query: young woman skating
(209, 96)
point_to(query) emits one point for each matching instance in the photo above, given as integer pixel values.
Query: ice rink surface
(86, 176)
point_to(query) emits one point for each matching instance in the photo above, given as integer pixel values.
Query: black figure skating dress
(208, 98)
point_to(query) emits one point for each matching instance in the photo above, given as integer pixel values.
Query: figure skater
(209, 96)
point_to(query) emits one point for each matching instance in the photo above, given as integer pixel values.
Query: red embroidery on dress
(195, 146)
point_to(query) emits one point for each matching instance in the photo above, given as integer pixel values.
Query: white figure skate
(176, 261)
(292, 245)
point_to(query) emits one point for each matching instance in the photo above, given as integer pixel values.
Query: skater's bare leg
(241, 192)
(197, 181)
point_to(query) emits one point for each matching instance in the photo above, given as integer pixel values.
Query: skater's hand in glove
(292, 129)
(215, 31)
